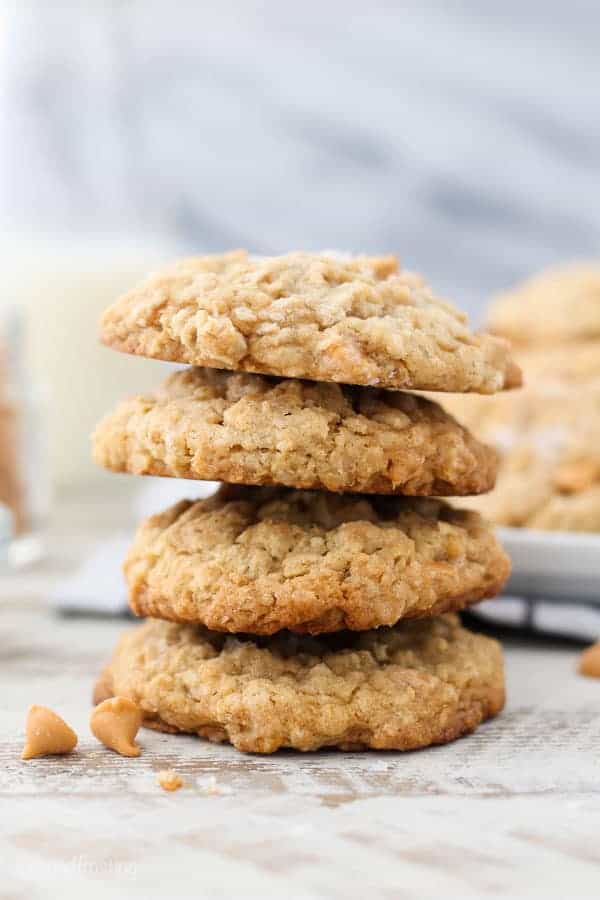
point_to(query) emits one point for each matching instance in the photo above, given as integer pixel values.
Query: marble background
(465, 135)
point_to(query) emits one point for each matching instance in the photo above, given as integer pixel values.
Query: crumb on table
(169, 780)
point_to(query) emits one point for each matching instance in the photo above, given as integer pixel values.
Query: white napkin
(575, 619)
(97, 586)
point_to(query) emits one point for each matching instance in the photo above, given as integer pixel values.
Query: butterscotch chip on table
(558, 305)
(248, 429)
(353, 320)
(115, 722)
(400, 688)
(259, 560)
(589, 661)
(169, 780)
(46, 734)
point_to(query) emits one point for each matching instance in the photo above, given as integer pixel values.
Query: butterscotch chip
(46, 734)
(169, 780)
(548, 440)
(261, 559)
(561, 304)
(305, 315)
(589, 661)
(115, 722)
(399, 688)
(221, 426)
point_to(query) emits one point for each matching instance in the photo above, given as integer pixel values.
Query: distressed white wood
(513, 810)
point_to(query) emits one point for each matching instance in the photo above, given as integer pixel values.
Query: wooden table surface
(512, 811)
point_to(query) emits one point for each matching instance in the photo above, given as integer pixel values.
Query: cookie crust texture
(353, 320)
(248, 429)
(259, 560)
(399, 688)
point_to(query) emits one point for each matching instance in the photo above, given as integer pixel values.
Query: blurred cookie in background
(548, 439)
(559, 305)
(548, 434)
(574, 363)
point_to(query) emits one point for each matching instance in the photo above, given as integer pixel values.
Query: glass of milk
(24, 484)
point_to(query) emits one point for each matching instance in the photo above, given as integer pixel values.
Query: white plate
(557, 565)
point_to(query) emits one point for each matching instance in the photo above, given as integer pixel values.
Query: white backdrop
(465, 135)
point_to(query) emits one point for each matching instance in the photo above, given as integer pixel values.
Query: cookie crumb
(46, 734)
(589, 661)
(169, 780)
(211, 787)
(115, 722)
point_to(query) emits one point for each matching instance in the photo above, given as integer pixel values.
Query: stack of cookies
(548, 436)
(312, 600)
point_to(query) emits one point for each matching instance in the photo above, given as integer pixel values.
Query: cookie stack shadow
(312, 600)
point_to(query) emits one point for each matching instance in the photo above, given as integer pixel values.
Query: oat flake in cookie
(249, 429)
(398, 688)
(259, 560)
(357, 320)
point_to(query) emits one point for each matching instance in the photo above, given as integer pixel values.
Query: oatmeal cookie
(577, 362)
(248, 429)
(561, 304)
(259, 560)
(397, 688)
(353, 320)
(548, 440)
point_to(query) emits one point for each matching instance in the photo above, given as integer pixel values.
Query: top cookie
(359, 321)
(561, 304)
